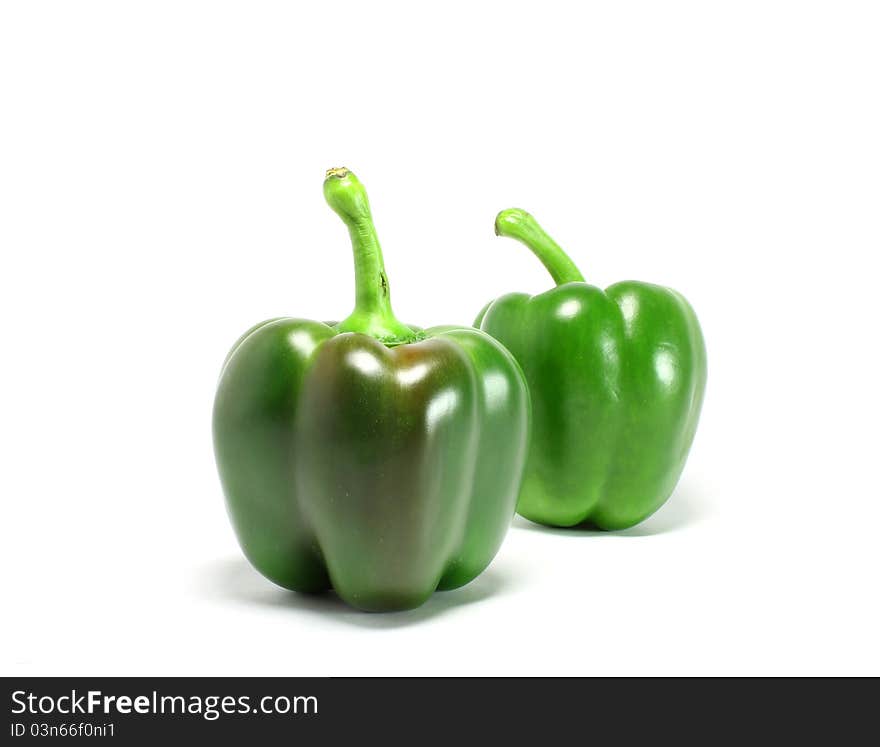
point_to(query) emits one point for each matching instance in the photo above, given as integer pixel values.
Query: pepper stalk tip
(510, 218)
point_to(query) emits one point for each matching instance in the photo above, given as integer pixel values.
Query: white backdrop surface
(160, 191)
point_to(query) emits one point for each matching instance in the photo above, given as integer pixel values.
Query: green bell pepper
(369, 456)
(616, 380)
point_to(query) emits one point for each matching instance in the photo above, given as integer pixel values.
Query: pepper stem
(518, 224)
(372, 313)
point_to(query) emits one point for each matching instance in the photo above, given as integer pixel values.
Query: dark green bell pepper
(370, 456)
(616, 380)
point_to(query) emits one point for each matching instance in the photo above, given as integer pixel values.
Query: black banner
(376, 710)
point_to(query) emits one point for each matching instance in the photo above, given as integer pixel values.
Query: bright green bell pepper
(370, 456)
(616, 379)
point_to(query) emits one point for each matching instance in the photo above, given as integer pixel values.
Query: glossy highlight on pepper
(617, 379)
(369, 456)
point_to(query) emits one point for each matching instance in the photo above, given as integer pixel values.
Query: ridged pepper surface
(616, 378)
(369, 456)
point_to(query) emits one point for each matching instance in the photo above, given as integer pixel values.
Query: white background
(160, 191)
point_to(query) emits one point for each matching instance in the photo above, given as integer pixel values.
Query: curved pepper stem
(372, 313)
(518, 224)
